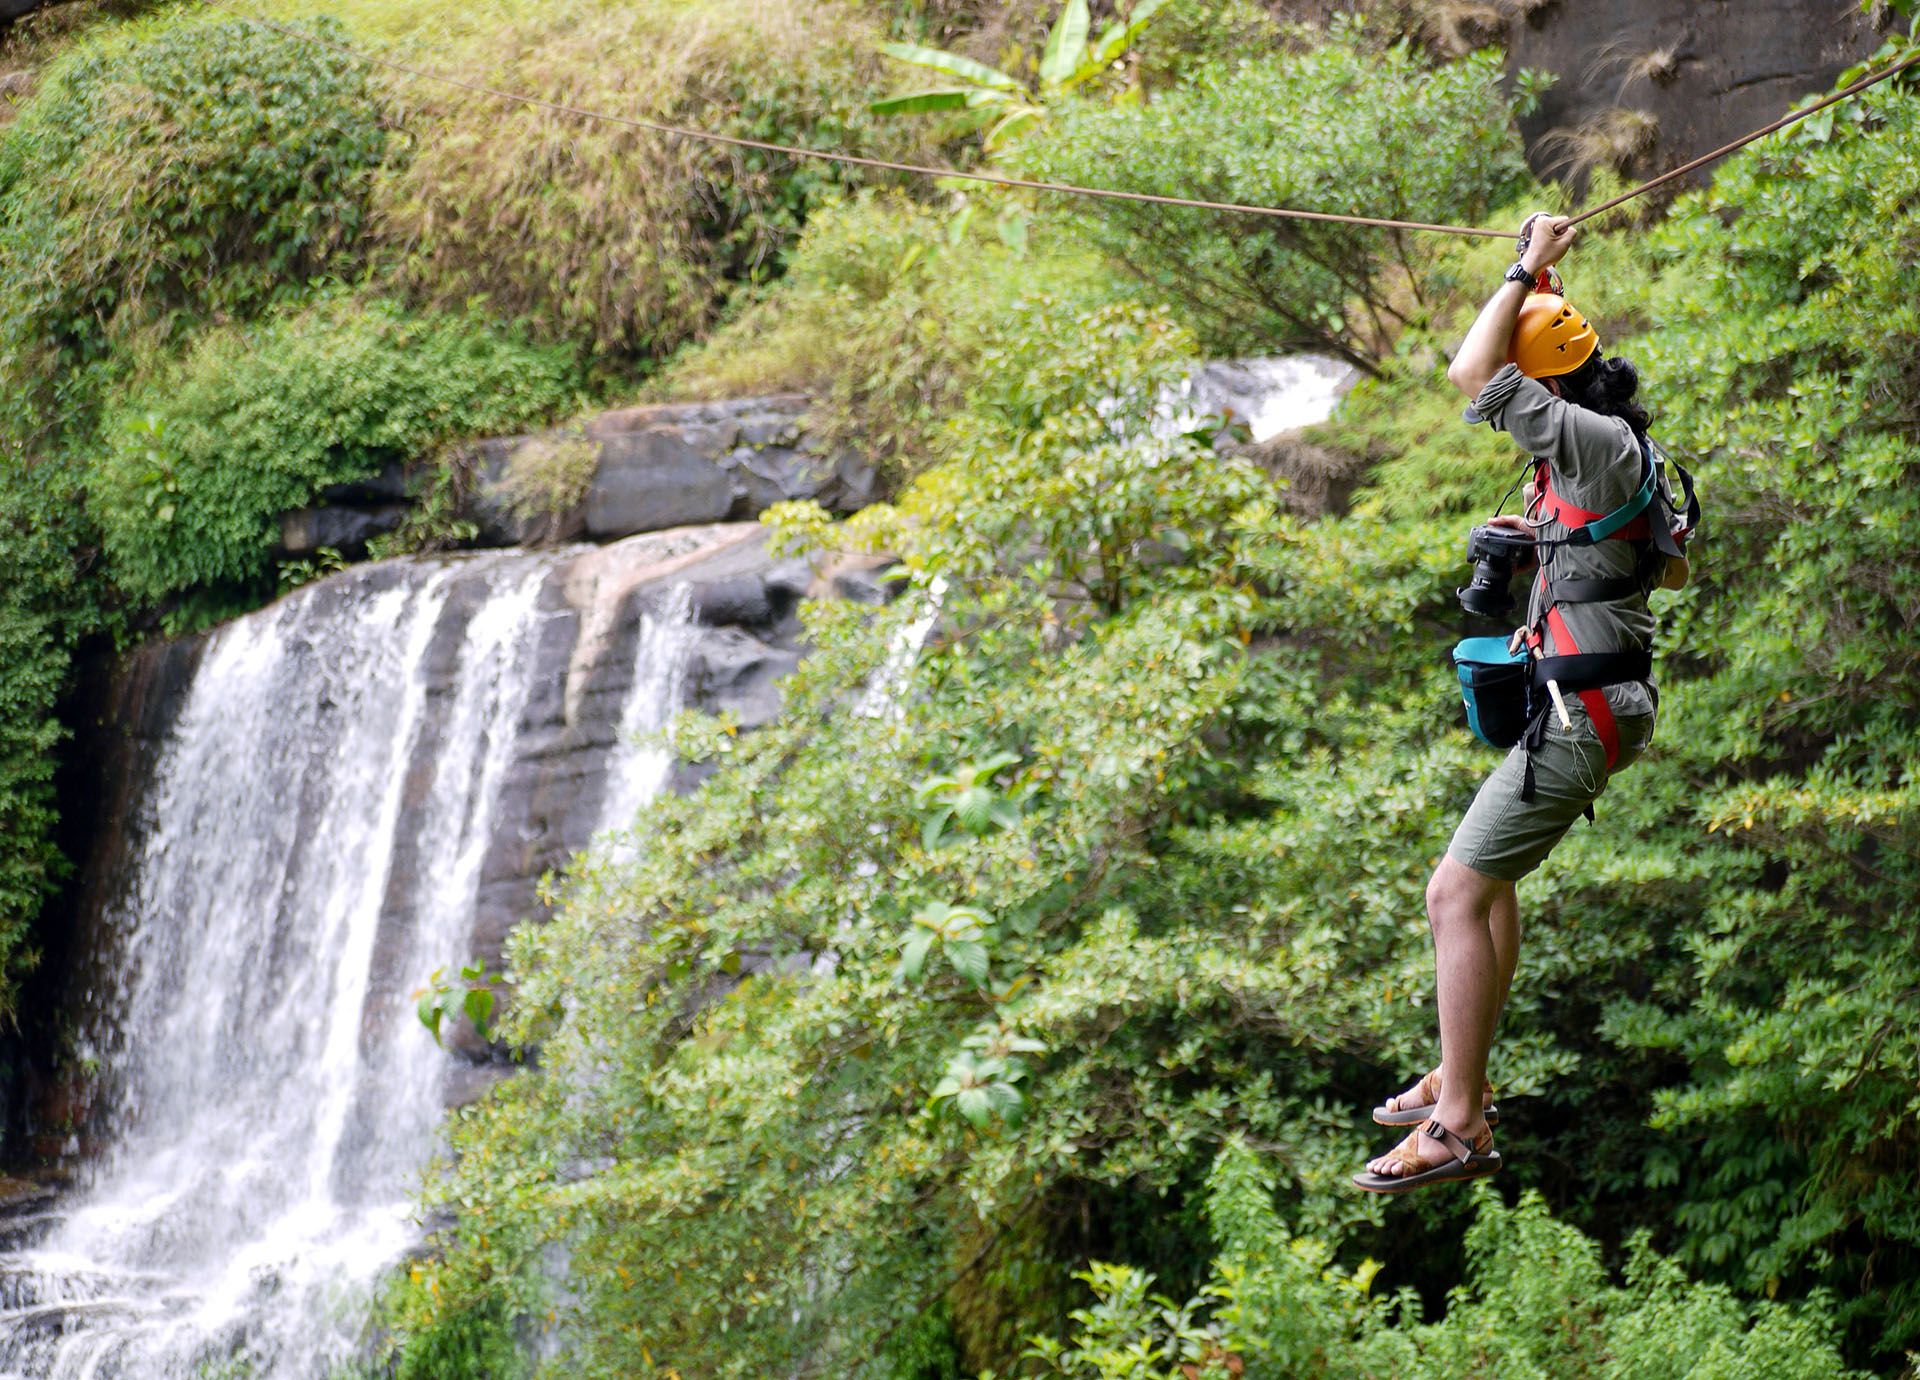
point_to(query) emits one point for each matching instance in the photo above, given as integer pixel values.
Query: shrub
(197, 466)
(1535, 1301)
(171, 169)
(1347, 126)
(615, 237)
(546, 476)
(46, 607)
(888, 316)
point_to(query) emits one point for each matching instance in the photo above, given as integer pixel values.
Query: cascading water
(314, 835)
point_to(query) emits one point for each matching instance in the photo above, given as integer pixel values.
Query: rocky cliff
(1648, 84)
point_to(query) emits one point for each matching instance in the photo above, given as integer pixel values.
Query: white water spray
(272, 1098)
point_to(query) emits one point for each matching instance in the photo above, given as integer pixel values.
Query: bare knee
(1456, 894)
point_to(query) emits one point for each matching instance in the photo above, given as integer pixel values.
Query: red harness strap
(1595, 700)
(1551, 505)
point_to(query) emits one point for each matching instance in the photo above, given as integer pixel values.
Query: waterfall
(315, 835)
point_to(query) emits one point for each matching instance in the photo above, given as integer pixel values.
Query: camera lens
(1492, 553)
(1488, 595)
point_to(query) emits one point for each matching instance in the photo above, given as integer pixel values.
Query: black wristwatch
(1520, 273)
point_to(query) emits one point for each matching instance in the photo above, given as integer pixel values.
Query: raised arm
(1482, 354)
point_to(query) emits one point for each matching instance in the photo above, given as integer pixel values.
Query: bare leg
(1472, 972)
(1503, 924)
(1503, 921)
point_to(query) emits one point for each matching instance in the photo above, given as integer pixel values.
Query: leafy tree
(1333, 129)
(1234, 756)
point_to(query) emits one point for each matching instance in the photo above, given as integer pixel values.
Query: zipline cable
(1022, 183)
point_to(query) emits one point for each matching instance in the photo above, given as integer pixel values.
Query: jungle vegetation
(1014, 1009)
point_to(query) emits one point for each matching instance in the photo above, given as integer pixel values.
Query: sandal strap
(1429, 1088)
(1457, 1146)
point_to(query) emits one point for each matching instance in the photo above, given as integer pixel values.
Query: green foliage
(46, 608)
(1350, 126)
(325, 561)
(1233, 746)
(1071, 59)
(605, 235)
(889, 313)
(1535, 1302)
(471, 995)
(1786, 349)
(547, 476)
(30, 866)
(199, 464)
(168, 170)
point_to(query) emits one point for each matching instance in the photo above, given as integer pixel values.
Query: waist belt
(1595, 591)
(1590, 671)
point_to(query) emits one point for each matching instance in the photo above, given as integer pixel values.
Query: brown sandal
(1470, 1161)
(1428, 1090)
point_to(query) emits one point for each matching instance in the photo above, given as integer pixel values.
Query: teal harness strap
(1600, 528)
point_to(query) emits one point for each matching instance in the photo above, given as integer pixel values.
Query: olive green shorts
(1506, 837)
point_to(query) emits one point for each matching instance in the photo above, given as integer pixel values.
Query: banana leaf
(1067, 45)
(951, 63)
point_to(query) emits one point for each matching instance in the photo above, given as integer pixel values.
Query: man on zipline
(1534, 369)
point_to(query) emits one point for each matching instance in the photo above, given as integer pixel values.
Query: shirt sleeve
(1581, 444)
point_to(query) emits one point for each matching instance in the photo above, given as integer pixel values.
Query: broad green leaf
(957, 227)
(1005, 1099)
(964, 922)
(951, 63)
(932, 786)
(913, 956)
(982, 96)
(1011, 124)
(935, 826)
(975, 1105)
(919, 102)
(1066, 45)
(1119, 35)
(430, 1013)
(969, 959)
(479, 1008)
(973, 808)
(992, 766)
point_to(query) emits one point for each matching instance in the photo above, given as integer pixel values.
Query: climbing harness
(1661, 531)
(1509, 685)
(1028, 184)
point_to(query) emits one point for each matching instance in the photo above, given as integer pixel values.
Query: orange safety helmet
(1551, 337)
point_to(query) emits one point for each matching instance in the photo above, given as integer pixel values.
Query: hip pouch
(1495, 683)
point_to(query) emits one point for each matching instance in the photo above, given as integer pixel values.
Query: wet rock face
(605, 641)
(680, 463)
(1705, 71)
(654, 468)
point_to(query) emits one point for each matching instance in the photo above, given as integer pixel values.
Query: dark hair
(1607, 385)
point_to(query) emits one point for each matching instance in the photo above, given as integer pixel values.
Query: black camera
(1495, 553)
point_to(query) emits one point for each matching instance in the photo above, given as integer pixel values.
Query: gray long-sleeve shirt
(1594, 462)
